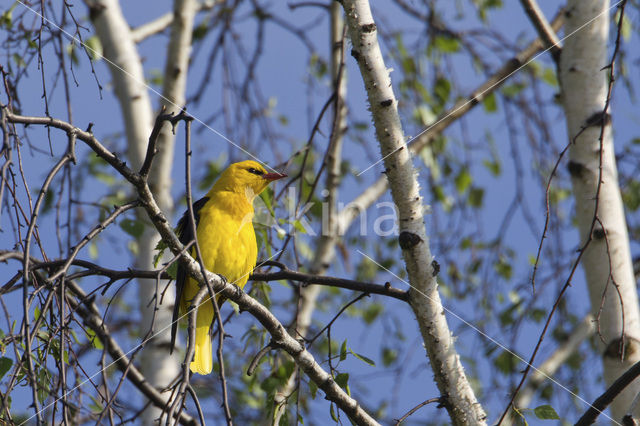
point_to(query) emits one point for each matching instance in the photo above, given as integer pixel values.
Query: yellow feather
(227, 242)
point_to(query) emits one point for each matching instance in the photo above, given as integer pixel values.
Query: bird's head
(246, 177)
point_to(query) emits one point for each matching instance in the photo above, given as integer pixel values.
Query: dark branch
(601, 403)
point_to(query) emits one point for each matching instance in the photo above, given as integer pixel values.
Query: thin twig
(416, 408)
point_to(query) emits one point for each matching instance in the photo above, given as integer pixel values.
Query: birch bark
(129, 85)
(326, 242)
(607, 259)
(452, 382)
(157, 365)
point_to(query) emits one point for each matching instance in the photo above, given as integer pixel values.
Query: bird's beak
(274, 176)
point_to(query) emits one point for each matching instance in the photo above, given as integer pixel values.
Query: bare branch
(416, 408)
(545, 31)
(163, 22)
(300, 355)
(607, 397)
(91, 317)
(577, 336)
(360, 203)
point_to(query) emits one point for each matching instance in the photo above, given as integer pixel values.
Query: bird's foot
(237, 289)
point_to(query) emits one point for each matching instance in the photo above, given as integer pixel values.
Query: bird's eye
(255, 171)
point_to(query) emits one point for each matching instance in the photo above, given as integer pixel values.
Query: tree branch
(300, 355)
(463, 407)
(601, 403)
(545, 31)
(366, 198)
(284, 274)
(91, 317)
(163, 22)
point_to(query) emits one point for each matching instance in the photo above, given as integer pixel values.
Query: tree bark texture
(607, 259)
(452, 382)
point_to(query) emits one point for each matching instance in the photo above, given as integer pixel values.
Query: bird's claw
(238, 290)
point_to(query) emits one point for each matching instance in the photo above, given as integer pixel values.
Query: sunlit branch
(91, 317)
(301, 356)
(545, 31)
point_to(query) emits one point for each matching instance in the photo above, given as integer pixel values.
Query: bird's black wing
(185, 234)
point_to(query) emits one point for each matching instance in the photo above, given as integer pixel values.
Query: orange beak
(274, 176)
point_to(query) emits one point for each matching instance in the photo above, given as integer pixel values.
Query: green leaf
(313, 388)
(363, 358)
(71, 51)
(299, 226)
(342, 379)
(19, 61)
(343, 350)
(512, 90)
(389, 356)
(267, 196)
(493, 166)
(173, 270)
(371, 312)
(442, 89)
(424, 115)
(6, 20)
(506, 362)
(270, 384)
(489, 102)
(333, 414)
(558, 194)
(135, 228)
(200, 31)
(463, 181)
(549, 77)
(5, 365)
(96, 406)
(93, 338)
(160, 247)
(42, 379)
(284, 419)
(538, 314)
(625, 25)
(503, 268)
(318, 67)
(94, 47)
(49, 196)
(631, 195)
(409, 65)
(475, 197)
(156, 77)
(520, 419)
(546, 412)
(446, 44)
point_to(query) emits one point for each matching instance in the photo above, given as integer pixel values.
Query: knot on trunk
(622, 347)
(408, 240)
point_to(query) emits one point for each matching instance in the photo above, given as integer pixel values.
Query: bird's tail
(203, 358)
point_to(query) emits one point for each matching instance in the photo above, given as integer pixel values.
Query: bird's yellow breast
(227, 242)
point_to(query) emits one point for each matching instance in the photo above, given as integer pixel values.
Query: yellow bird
(227, 242)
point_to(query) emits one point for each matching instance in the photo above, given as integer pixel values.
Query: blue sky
(282, 73)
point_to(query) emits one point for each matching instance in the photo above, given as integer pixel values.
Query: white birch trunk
(157, 365)
(127, 75)
(325, 250)
(449, 374)
(128, 79)
(614, 303)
